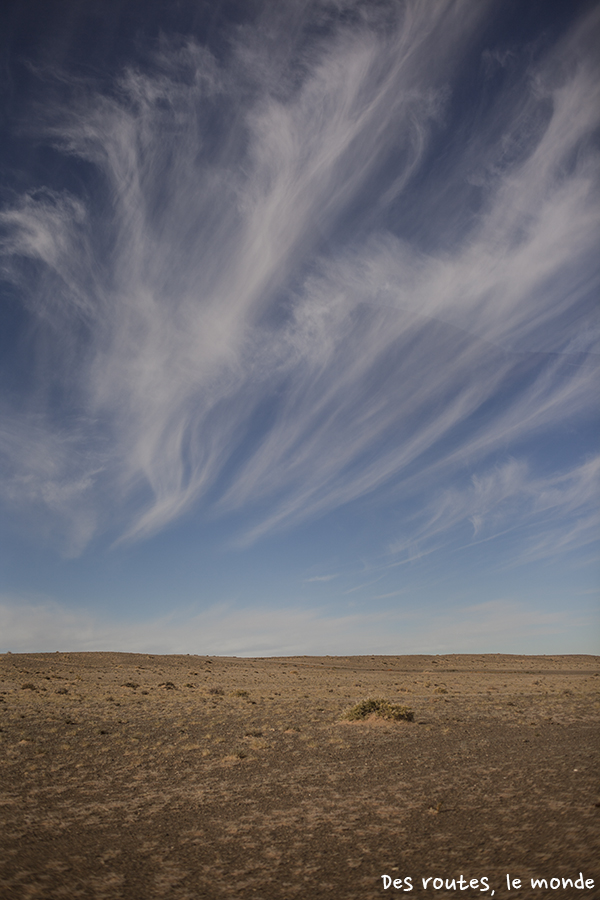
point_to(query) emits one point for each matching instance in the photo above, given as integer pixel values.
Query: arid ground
(139, 777)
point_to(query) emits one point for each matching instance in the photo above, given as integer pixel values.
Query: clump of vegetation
(28, 686)
(240, 693)
(378, 707)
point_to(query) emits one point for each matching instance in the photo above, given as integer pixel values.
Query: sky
(299, 345)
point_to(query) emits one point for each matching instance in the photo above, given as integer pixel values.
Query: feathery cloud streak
(255, 302)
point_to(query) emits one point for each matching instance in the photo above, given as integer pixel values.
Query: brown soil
(185, 777)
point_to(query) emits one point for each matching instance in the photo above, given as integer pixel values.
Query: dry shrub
(379, 707)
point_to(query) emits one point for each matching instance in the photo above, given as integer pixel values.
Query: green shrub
(383, 708)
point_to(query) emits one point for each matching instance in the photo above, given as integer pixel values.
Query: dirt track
(140, 777)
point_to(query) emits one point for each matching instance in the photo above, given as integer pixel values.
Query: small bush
(382, 708)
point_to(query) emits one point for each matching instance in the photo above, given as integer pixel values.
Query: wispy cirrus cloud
(236, 311)
(550, 514)
(320, 578)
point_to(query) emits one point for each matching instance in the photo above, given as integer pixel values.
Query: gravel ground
(136, 777)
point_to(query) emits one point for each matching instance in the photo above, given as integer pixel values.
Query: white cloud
(561, 511)
(205, 345)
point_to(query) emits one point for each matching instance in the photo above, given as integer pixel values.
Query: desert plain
(132, 777)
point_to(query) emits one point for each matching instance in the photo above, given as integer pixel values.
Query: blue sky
(300, 332)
